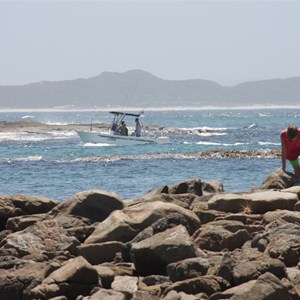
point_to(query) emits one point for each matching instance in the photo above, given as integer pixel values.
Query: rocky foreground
(188, 241)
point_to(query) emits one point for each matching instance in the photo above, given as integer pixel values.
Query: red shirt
(292, 147)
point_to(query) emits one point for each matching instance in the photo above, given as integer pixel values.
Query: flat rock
(256, 203)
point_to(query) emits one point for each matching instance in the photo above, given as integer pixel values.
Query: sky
(228, 42)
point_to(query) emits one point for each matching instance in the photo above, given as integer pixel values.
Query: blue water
(57, 165)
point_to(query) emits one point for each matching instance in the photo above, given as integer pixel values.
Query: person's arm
(283, 154)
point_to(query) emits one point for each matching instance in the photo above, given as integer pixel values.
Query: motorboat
(115, 136)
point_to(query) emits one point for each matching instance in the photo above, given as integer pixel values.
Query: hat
(123, 122)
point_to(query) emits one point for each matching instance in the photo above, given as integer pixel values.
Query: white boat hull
(120, 140)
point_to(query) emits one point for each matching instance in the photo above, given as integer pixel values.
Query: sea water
(56, 164)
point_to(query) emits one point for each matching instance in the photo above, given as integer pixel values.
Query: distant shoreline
(176, 108)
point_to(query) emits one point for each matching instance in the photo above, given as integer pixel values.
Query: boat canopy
(118, 113)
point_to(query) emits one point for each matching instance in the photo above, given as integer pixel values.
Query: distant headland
(138, 88)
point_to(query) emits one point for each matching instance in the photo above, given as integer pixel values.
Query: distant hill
(142, 89)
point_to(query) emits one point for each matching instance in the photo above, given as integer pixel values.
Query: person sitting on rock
(122, 129)
(290, 147)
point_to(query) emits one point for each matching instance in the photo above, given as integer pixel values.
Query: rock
(190, 186)
(293, 189)
(214, 187)
(20, 205)
(225, 268)
(205, 284)
(257, 202)
(267, 286)
(282, 242)
(234, 291)
(173, 295)
(285, 215)
(249, 264)
(152, 255)
(42, 240)
(170, 221)
(76, 277)
(117, 227)
(206, 216)
(124, 225)
(262, 202)
(20, 223)
(154, 279)
(121, 269)
(106, 295)
(15, 282)
(183, 200)
(228, 202)
(293, 275)
(125, 284)
(280, 180)
(92, 206)
(219, 235)
(106, 275)
(99, 253)
(188, 268)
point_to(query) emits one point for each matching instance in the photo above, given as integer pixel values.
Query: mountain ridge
(141, 88)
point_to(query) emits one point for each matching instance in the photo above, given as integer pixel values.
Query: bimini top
(118, 113)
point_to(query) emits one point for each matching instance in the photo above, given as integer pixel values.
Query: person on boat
(123, 130)
(290, 147)
(114, 127)
(138, 127)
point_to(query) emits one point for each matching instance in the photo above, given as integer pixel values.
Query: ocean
(56, 164)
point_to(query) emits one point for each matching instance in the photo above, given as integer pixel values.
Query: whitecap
(204, 128)
(221, 144)
(35, 136)
(210, 133)
(268, 143)
(27, 117)
(29, 158)
(96, 145)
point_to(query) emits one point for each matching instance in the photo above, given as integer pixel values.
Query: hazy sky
(225, 41)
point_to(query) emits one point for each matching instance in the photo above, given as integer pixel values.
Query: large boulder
(124, 225)
(18, 280)
(282, 242)
(219, 235)
(42, 240)
(267, 286)
(76, 277)
(256, 202)
(249, 264)
(21, 205)
(92, 206)
(280, 180)
(152, 255)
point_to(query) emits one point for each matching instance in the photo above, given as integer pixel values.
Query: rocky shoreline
(187, 241)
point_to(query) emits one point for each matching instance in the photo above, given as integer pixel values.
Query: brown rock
(280, 180)
(76, 277)
(99, 253)
(152, 255)
(92, 206)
